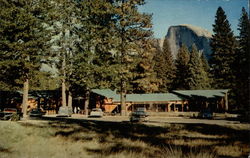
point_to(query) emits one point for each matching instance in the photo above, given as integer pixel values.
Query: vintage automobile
(205, 114)
(140, 115)
(64, 112)
(36, 112)
(10, 114)
(96, 112)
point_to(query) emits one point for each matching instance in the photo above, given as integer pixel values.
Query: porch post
(182, 106)
(226, 102)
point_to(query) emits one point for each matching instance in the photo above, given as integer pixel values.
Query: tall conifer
(242, 62)
(165, 67)
(65, 37)
(182, 60)
(22, 40)
(196, 77)
(132, 29)
(206, 68)
(204, 61)
(94, 62)
(223, 44)
(145, 79)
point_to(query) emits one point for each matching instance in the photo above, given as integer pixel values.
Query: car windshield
(139, 113)
(97, 110)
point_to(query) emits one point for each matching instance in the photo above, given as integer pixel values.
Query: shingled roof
(108, 93)
(202, 93)
(154, 97)
(177, 95)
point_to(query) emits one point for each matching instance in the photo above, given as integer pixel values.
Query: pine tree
(206, 68)
(100, 29)
(205, 64)
(223, 44)
(132, 29)
(95, 64)
(23, 39)
(242, 62)
(145, 79)
(182, 60)
(196, 77)
(165, 67)
(65, 26)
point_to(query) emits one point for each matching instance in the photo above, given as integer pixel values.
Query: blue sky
(195, 12)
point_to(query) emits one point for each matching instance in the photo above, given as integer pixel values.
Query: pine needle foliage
(223, 44)
(165, 67)
(145, 79)
(197, 77)
(23, 41)
(242, 63)
(182, 60)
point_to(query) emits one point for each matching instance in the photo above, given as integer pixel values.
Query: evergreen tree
(99, 29)
(242, 62)
(206, 68)
(65, 26)
(205, 64)
(165, 67)
(196, 77)
(132, 29)
(145, 80)
(95, 64)
(223, 44)
(44, 80)
(9, 76)
(182, 68)
(23, 38)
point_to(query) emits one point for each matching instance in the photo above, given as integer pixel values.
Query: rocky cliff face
(188, 35)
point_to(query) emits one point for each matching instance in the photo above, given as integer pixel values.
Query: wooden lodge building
(178, 100)
(109, 101)
(49, 100)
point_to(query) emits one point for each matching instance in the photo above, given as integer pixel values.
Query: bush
(15, 117)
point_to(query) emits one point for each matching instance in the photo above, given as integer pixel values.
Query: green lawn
(64, 139)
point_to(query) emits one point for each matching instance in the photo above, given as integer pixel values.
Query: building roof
(108, 93)
(202, 93)
(177, 95)
(154, 97)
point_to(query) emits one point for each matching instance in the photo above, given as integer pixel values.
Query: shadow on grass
(232, 134)
(116, 148)
(151, 135)
(4, 150)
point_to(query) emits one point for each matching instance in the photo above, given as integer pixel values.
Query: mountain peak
(188, 34)
(198, 30)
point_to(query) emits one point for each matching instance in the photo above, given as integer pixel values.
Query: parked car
(206, 114)
(140, 115)
(37, 112)
(64, 112)
(10, 114)
(96, 112)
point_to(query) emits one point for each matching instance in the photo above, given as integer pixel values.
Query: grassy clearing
(60, 139)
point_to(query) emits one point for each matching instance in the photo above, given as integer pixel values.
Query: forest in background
(110, 44)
